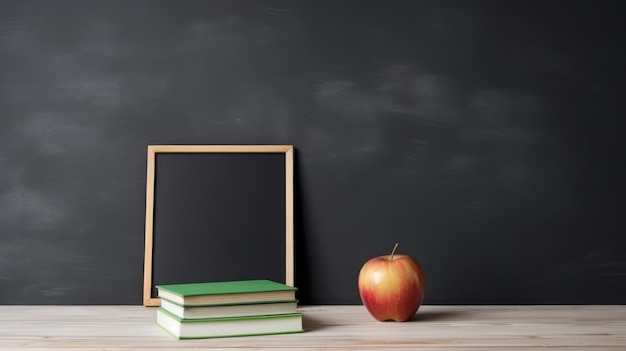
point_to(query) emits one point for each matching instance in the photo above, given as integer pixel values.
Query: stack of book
(232, 308)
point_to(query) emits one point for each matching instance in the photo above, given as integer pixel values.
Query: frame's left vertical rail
(148, 300)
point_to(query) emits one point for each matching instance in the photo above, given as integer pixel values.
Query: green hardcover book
(236, 310)
(228, 327)
(227, 292)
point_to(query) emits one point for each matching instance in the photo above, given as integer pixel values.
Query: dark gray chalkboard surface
(484, 136)
(218, 213)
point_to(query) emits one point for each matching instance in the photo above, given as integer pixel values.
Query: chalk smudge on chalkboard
(9, 253)
(48, 291)
(354, 112)
(395, 77)
(501, 116)
(274, 11)
(413, 158)
(343, 96)
(355, 153)
(33, 209)
(494, 107)
(102, 38)
(502, 108)
(399, 90)
(96, 91)
(207, 33)
(12, 35)
(514, 173)
(495, 134)
(52, 261)
(150, 86)
(368, 110)
(459, 162)
(430, 99)
(53, 134)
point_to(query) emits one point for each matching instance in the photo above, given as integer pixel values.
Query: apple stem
(393, 251)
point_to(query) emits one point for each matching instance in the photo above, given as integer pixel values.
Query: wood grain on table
(442, 328)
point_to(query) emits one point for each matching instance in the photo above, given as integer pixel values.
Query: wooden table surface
(327, 328)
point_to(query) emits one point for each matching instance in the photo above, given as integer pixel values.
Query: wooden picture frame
(224, 151)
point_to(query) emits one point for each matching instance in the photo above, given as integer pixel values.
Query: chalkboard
(217, 213)
(483, 136)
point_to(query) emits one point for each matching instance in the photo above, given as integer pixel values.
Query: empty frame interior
(218, 212)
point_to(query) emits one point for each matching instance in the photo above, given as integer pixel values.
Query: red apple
(391, 286)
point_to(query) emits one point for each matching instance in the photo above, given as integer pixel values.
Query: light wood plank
(327, 328)
(289, 217)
